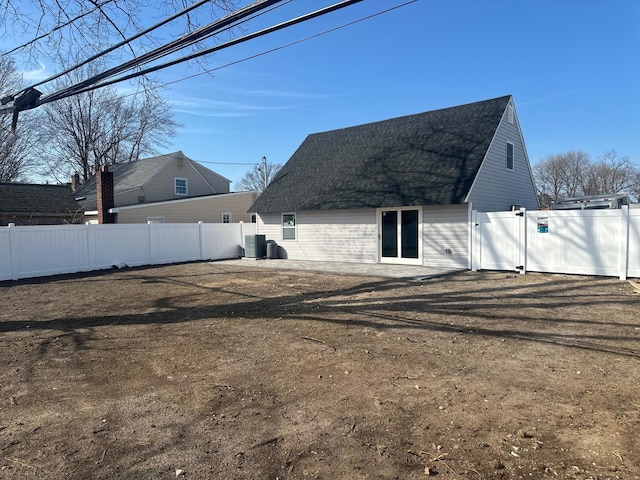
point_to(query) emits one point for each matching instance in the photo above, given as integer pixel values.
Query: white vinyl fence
(36, 251)
(585, 242)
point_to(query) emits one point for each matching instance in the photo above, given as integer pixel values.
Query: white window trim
(513, 157)
(175, 186)
(222, 215)
(295, 227)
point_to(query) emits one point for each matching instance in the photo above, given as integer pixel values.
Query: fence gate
(584, 242)
(499, 241)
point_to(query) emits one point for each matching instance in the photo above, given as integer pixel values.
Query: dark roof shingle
(28, 199)
(428, 158)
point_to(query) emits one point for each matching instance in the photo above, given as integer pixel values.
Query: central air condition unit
(255, 246)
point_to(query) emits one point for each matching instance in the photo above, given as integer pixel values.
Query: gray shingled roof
(127, 176)
(29, 199)
(430, 158)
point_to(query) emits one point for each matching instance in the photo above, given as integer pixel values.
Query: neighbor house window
(254, 218)
(509, 156)
(181, 186)
(288, 226)
(155, 219)
(226, 217)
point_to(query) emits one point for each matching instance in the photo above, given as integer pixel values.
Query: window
(155, 219)
(509, 156)
(181, 186)
(254, 218)
(288, 226)
(226, 217)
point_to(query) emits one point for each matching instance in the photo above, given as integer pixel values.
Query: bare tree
(611, 174)
(69, 27)
(15, 147)
(259, 177)
(574, 174)
(561, 175)
(82, 132)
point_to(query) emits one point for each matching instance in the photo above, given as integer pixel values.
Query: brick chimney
(104, 186)
(75, 182)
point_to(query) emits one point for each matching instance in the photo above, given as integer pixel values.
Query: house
(399, 190)
(222, 208)
(168, 188)
(156, 179)
(31, 204)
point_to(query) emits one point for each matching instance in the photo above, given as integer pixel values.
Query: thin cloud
(209, 107)
(35, 75)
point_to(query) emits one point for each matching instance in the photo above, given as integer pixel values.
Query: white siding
(445, 236)
(327, 235)
(496, 188)
(352, 235)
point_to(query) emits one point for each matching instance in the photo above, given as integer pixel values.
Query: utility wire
(56, 95)
(282, 47)
(136, 36)
(275, 49)
(159, 52)
(84, 87)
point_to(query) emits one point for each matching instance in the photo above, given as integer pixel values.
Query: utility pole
(263, 168)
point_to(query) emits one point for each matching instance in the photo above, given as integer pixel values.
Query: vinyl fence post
(624, 243)
(14, 275)
(523, 241)
(200, 240)
(475, 242)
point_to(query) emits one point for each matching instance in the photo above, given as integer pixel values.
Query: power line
(86, 87)
(82, 87)
(280, 47)
(186, 39)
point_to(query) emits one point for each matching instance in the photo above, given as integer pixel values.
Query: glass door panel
(390, 234)
(409, 233)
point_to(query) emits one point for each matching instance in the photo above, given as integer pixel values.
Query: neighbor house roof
(429, 158)
(44, 200)
(131, 175)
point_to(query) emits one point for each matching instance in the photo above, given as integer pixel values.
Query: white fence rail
(586, 242)
(36, 251)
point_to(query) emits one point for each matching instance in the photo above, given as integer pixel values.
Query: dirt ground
(213, 371)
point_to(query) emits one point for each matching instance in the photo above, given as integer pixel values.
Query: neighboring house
(223, 208)
(28, 204)
(169, 188)
(399, 190)
(156, 179)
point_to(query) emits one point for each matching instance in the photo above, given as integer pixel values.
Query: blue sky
(572, 67)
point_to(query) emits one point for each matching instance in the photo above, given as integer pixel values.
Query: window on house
(288, 226)
(181, 186)
(226, 217)
(510, 114)
(155, 219)
(254, 218)
(509, 156)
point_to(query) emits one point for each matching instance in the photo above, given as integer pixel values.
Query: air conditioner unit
(255, 246)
